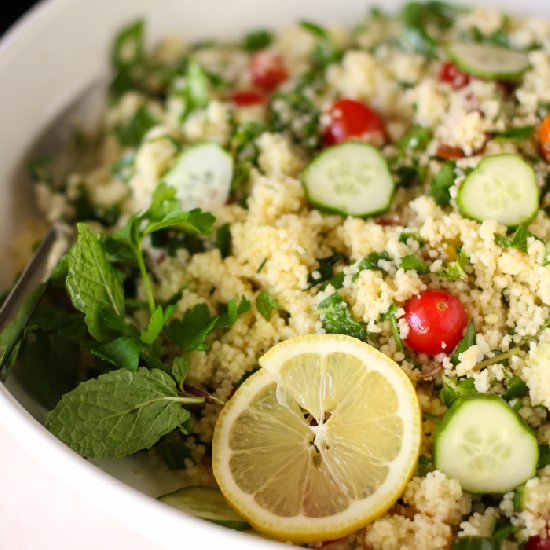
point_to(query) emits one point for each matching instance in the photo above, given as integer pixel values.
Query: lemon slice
(318, 442)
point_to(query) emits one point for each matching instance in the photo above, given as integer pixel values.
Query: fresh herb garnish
(544, 455)
(416, 139)
(520, 132)
(390, 316)
(468, 340)
(194, 90)
(413, 263)
(455, 388)
(223, 240)
(518, 239)
(325, 51)
(455, 271)
(130, 133)
(119, 413)
(245, 151)
(325, 271)
(408, 235)
(441, 183)
(337, 319)
(371, 262)
(266, 304)
(127, 54)
(515, 388)
(257, 40)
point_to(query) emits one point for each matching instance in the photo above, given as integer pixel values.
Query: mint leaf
(518, 240)
(467, 341)
(93, 284)
(455, 388)
(122, 352)
(118, 413)
(413, 263)
(266, 303)
(173, 450)
(337, 319)
(371, 262)
(156, 323)
(49, 367)
(441, 184)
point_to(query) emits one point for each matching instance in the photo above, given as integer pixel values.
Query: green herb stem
(146, 281)
(497, 358)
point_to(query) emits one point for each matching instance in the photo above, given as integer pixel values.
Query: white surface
(50, 497)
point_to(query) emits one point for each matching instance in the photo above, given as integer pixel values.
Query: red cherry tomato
(267, 70)
(352, 119)
(245, 98)
(536, 543)
(450, 73)
(437, 320)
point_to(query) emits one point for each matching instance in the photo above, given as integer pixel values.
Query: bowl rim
(154, 521)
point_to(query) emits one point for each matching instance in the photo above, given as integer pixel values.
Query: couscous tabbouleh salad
(382, 189)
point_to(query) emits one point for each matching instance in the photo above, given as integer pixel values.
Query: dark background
(12, 11)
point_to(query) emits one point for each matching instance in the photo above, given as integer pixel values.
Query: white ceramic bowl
(46, 61)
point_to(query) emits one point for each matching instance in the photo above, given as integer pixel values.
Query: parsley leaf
(257, 40)
(455, 388)
(325, 51)
(455, 270)
(519, 132)
(194, 93)
(416, 139)
(337, 319)
(370, 262)
(467, 341)
(325, 269)
(223, 239)
(442, 182)
(93, 284)
(122, 352)
(515, 388)
(544, 455)
(413, 263)
(119, 413)
(266, 303)
(390, 316)
(130, 134)
(406, 235)
(180, 369)
(156, 323)
(245, 152)
(518, 240)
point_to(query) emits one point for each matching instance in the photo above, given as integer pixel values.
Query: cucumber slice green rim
(501, 188)
(485, 445)
(488, 61)
(350, 179)
(202, 176)
(206, 503)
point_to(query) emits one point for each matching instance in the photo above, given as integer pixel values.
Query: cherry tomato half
(352, 119)
(544, 138)
(450, 73)
(267, 70)
(437, 320)
(246, 98)
(536, 543)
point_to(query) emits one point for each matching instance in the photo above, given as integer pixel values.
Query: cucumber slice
(487, 61)
(485, 445)
(502, 188)
(206, 503)
(202, 175)
(349, 179)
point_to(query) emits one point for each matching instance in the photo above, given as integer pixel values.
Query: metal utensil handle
(28, 290)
